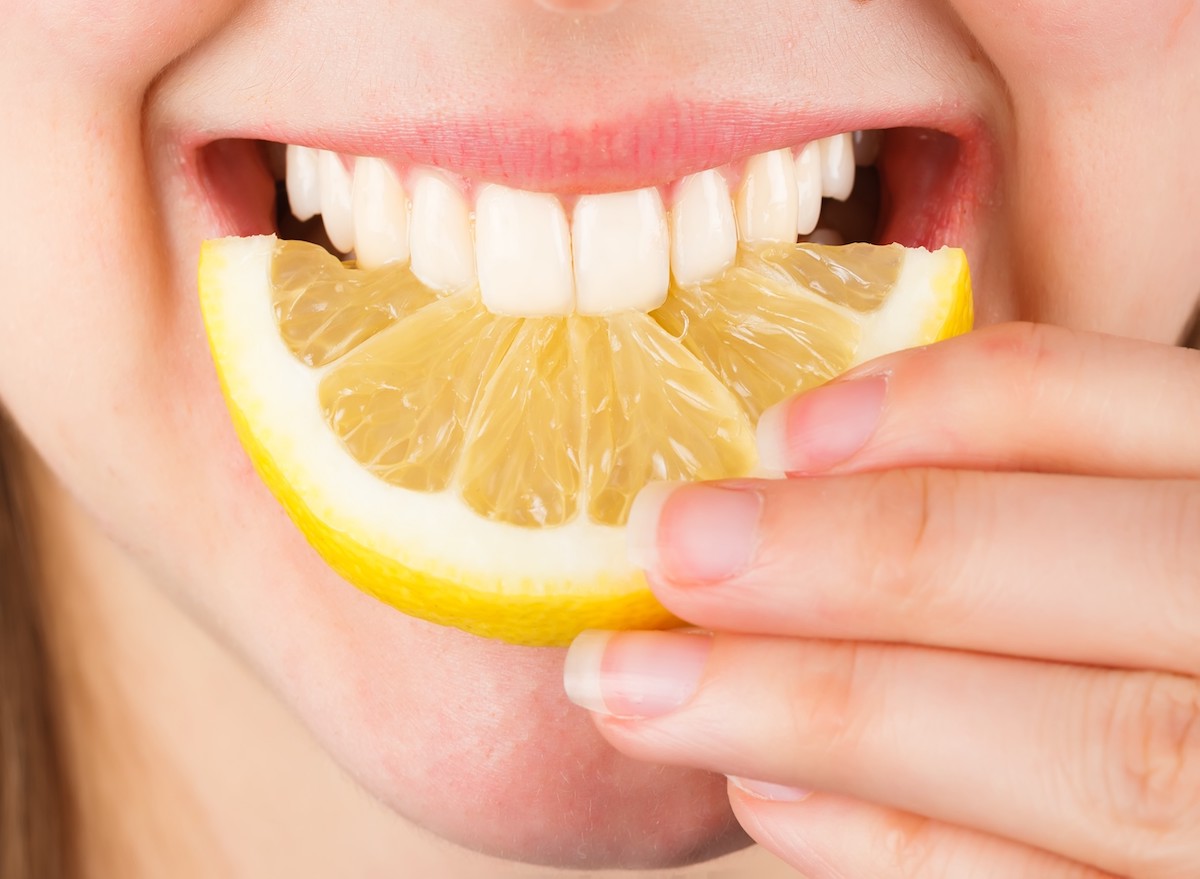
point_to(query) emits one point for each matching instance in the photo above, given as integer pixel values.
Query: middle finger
(1072, 568)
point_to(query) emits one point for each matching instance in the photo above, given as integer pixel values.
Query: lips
(645, 147)
(655, 146)
(555, 250)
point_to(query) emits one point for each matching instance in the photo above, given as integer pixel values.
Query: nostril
(580, 7)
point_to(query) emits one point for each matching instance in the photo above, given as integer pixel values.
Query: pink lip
(935, 195)
(658, 144)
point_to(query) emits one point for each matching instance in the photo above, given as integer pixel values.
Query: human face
(1073, 128)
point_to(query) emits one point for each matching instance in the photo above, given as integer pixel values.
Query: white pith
(573, 258)
(437, 533)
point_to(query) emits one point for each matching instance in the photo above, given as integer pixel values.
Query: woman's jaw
(469, 738)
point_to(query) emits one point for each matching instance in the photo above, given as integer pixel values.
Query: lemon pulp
(477, 469)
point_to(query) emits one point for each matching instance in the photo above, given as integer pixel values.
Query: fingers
(1078, 569)
(826, 836)
(1100, 767)
(1012, 397)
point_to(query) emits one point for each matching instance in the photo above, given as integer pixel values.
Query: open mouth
(553, 252)
(460, 416)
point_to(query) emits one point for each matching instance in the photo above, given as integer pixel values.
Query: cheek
(1079, 41)
(123, 40)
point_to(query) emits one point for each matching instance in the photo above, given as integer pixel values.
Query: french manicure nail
(634, 674)
(641, 529)
(824, 427)
(766, 790)
(694, 533)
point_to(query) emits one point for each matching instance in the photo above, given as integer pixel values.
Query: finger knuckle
(833, 711)
(1150, 735)
(910, 847)
(913, 516)
(1175, 521)
(916, 847)
(1049, 364)
(1028, 350)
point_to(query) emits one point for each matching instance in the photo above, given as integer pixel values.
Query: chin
(495, 759)
(471, 739)
(577, 804)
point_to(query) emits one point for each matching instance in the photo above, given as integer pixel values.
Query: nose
(580, 7)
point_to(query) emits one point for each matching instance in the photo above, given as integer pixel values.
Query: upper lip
(650, 147)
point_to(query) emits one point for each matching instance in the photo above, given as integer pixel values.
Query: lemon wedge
(477, 470)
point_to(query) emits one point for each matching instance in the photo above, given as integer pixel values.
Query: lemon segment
(761, 334)
(417, 551)
(401, 403)
(476, 470)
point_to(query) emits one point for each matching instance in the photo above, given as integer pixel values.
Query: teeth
(766, 201)
(703, 230)
(622, 259)
(380, 215)
(303, 182)
(336, 206)
(837, 166)
(443, 254)
(523, 248)
(619, 251)
(809, 188)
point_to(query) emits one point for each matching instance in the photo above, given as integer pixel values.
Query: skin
(197, 587)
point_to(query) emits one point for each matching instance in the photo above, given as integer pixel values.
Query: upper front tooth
(837, 166)
(766, 201)
(808, 188)
(523, 247)
(443, 255)
(622, 258)
(703, 230)
(621, 253)
(336, 203)
(380, 215)
(303, 182)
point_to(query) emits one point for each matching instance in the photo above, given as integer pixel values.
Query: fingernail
(824, 427)
(694, 533)
(765, 790)
(634, 674)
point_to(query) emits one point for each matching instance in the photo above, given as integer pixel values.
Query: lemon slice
(476, 470)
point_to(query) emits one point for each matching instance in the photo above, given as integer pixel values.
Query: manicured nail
(692, 532)
(824, 427)
(634, 674)
(765, 790)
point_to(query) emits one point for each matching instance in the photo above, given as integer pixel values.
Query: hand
(972, 628)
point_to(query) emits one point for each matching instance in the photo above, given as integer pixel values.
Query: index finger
(1010, 397)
